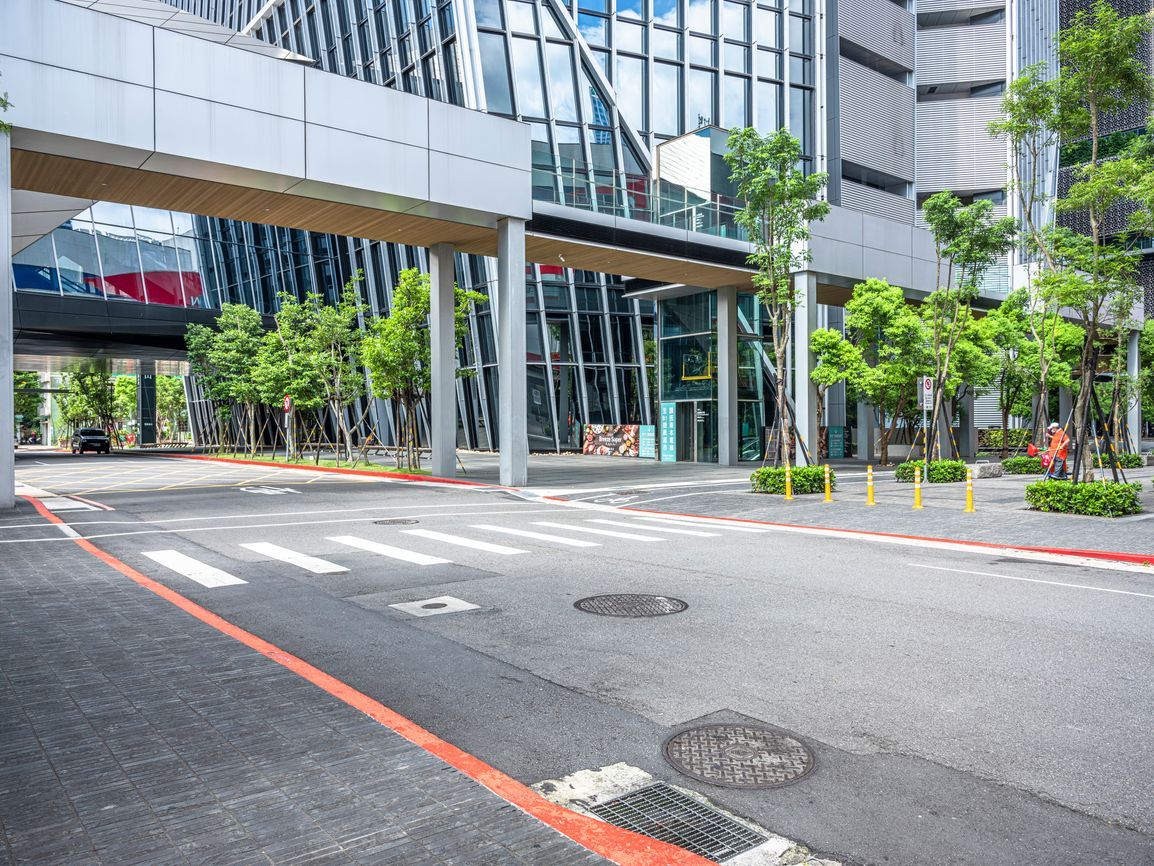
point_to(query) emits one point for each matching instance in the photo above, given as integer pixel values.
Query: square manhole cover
(664, 813)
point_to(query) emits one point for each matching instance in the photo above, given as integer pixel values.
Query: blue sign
(836, 441)
(668, 432)
(647, 443)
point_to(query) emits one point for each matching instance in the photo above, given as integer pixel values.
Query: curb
(336, 470)
(615, 844)
(1107, 555)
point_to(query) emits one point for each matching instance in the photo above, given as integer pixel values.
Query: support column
(513, 436)
(804, 394)
(967, 433)
(728, 447)
(865, 432)
(1065, 407)
(443, 354)
(146, 403)
(7, 403)
(1134, 409)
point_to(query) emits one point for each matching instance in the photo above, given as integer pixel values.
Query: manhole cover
(396, 521)
(662, 812)
(630, 604)
(739, 756)
(433, 605)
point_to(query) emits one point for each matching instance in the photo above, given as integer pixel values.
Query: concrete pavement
(961, 705)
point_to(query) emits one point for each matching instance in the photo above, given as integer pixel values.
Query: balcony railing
(638, 197)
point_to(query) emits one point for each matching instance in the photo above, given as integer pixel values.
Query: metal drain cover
(396, 521)
(662, 812)
(739, 756)
(630, 604)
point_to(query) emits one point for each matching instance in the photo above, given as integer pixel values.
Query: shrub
(1124, 461)
(806, 479)
(941, 471)
(1091, 497)
(1022, 465)
(1017, 438)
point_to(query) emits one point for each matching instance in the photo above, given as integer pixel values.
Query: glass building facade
(601, 84)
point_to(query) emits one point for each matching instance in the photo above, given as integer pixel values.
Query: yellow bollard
(917, 487)
(788, 484)
(969, 491)
(828, 491)
(870, 486)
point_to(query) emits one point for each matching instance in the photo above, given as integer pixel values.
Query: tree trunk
(822, 433)
(782, 408)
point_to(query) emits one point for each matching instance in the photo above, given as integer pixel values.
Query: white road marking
(464, 542)
(63, 503)
(388, 550)
(629, 536)
(300, 560)
(1032, 580)
(433, 606)
(538, 536)
(693, 521)
(668, 529)
(193, 569)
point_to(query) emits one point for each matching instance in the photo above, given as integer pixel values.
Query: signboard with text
(927, 392)
(835, 437)
(648, 443)
(668, 418)
(612, 440)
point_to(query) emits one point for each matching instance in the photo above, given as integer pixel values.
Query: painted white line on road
(629, 536)
(537, 536)
(1032, 580)
(300, 560)
(193, 569)
(669, 529)
(388, 550)
(692, 521)
(464, 542)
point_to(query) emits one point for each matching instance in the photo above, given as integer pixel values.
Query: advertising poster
(612, 440)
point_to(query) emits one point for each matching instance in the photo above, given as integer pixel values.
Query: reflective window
(666, 99)
(592, 339)
(768, 63)
(631, 8)
(801, 117)
(624, 344)
(595, 107)
(703, 50)
(539, 418)
(120, 259)
(736, 57)
(630, 37)
(561, 90)
(594, 28)
(629, 391)
(667, 12)
(521, 18)
(767, 27)
(800, 35)
(631, 90)
(702, 100)
(736, 101)
(160, 268)
(78, 264)
(600, 397)
(495, 66)
(527, 71)
(488, 13)
(768, 106)
(736, 21)
(34, 268)
(800, 70)
(701, 16)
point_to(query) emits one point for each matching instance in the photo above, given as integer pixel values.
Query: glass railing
(640, 198)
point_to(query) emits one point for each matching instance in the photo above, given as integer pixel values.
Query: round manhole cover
(396, 521)
(739, 756)
(630, 604)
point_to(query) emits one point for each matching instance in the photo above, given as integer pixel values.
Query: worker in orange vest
(1056, 453)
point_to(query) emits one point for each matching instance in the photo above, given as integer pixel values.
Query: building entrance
(697, 431)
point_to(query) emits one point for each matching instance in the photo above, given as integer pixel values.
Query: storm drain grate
(662, 812)
(396, 521)
(630, 604)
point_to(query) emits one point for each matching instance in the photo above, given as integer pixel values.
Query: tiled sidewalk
(131, 732)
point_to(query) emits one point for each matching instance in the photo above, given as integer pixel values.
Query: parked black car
(91, 439)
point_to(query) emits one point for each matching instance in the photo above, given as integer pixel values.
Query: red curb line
(613, 843)
(1109, 555)
(400, 476)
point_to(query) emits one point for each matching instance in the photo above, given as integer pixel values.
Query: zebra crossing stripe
(538, 536)
(193, 569)
(668, 529)
(694, 521)
(410, 556)
(300, 560)
(628, 536)
(464, 542)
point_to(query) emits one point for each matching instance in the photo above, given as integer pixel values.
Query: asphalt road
(964, 708)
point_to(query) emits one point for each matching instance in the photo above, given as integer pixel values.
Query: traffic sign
(288, 403)
(927, 392)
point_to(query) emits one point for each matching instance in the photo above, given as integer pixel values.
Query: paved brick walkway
(131, 732)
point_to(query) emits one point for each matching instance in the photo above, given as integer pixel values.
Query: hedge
(1017, 437)
(1125, 461)
(941, 471)
(806, 479)
(1099, 499)
(1022, 465)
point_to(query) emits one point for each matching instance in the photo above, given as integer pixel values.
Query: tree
(28, 398)
(5, 128)
(779, 202)
(1146, 362)
(396, 352)
(836, 360)
(1006, 328)
(337, 339)
(892, 339)
(171, 407)
(222, 358)
(967, 242)
(90, 400)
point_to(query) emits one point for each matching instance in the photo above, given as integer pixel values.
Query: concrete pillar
(513, 436)
(865, 431)
(1065, 407)
(146, 403)
(967, 432)
(443, 354)
(7, 403)
(804, 394)
(1134, 408)
(728, 447)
